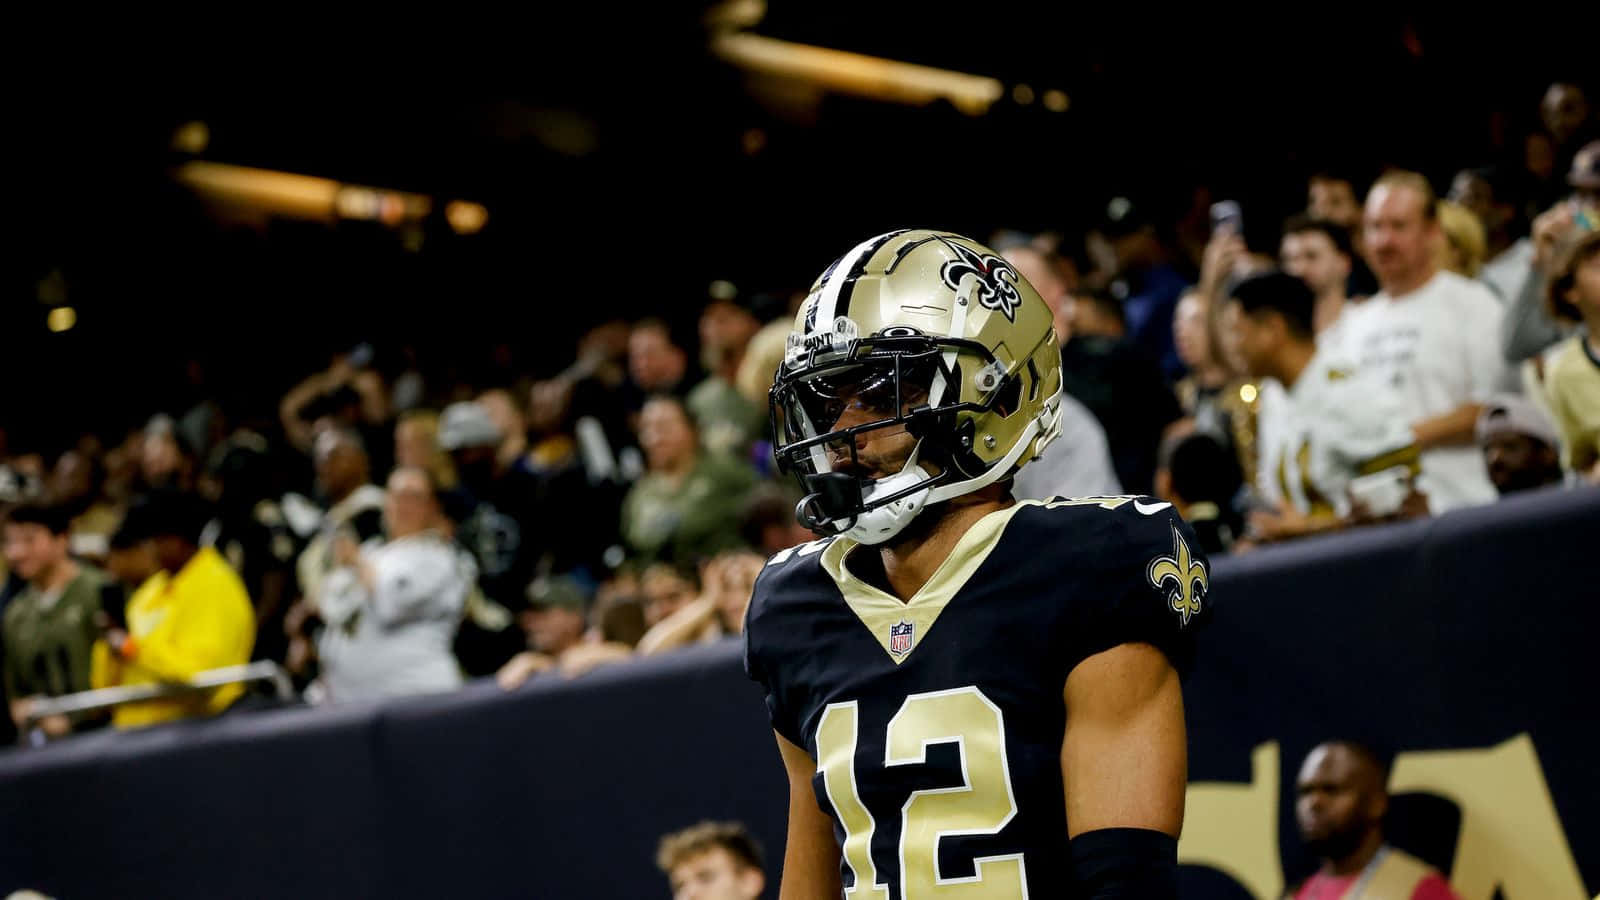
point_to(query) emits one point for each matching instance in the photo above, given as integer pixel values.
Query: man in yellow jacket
(191, 616)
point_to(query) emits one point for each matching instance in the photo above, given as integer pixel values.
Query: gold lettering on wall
(1233, 828)
(1511, 837)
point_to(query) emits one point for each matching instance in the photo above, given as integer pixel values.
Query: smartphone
(1226, 215)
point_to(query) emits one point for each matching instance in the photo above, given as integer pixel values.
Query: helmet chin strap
(878, 525)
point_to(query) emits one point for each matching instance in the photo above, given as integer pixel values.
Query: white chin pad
(883, 523)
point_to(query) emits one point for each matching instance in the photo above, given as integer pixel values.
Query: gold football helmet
(943, 337)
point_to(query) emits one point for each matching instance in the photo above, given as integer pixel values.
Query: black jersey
(936, 724)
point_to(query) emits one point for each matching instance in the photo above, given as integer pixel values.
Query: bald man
(1340, 805)
(1053, 289)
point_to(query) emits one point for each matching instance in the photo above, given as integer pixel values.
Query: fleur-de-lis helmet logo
(997, 280)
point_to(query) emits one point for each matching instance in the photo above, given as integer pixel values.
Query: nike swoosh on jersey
(1150, 509)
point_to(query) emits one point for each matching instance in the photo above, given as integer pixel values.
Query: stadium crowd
(1398, 352)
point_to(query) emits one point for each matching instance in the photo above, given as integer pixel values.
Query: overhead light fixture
(855, 73)
(466, 217)
(62, 318)
(191, 137)
(1055, 101)
(300, 196)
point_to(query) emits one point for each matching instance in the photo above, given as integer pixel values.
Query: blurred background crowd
(395, 497)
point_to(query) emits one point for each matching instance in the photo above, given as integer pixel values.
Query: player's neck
(1293, 359)
(1358, 859)
(908, 563)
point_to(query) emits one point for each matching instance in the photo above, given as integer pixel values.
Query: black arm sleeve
(1114, 863)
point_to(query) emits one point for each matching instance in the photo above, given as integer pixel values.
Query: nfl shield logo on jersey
(900, 638)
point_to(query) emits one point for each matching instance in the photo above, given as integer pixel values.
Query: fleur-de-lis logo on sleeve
(1183, 577)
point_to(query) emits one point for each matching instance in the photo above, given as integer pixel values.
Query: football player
(973, 696)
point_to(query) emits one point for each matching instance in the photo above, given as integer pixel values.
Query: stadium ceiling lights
(855, 73)
(254, 192)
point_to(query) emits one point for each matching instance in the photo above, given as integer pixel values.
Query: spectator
(687, 504)
(192, 616)
(416, 446)
(1209, 394)
(557, 632)
(253, 535)
(1320, 424)
(729, 424)
(555, 620)
(348, 394)
(712, 861)
(665, 589)
(1520, 445)
(656, 364)
(598, 384)
(1528, 328)
(1486, 194)
(496, 508)
(1332, 198)
(392, 609)
(768, 523)
(762, 356)
(573, 468)
(1428, 338)
(355, 505)
(1078, 464)
(1120, 385)
(49, 627)
(508, 419)
(1463, 245)
(1565, 113)
(1573, 377)
(1200, 476)
(165, 461)
(131, 560)
(1145, 282)
(1340, 805)
(1207, 375)
(77, 483)
(1318, 252)
(728, 581)
(1096, 314)
(1036, 267)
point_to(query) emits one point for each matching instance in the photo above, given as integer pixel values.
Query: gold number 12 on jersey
(982, 804)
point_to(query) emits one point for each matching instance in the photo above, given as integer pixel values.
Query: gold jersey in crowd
(180, 625)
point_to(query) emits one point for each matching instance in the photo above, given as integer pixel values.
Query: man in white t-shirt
(1319, 423)
(1429, 338)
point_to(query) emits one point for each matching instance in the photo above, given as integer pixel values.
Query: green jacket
(48, 641)
(699, 518)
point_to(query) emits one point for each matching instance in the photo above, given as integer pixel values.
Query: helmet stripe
(845, 272)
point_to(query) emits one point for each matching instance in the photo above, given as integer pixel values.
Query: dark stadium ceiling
(488, 109)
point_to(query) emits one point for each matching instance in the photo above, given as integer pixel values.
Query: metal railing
(108, 698)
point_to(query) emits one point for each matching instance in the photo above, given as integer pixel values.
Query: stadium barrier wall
(1463, 644)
